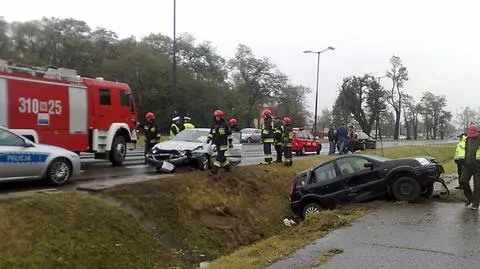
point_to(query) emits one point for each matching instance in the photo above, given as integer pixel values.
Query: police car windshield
(192, 135)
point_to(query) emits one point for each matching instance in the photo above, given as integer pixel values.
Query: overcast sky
(438, 41)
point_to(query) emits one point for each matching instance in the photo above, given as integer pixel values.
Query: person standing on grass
(332, 139)
(460, 156)
(471, 167)
(342, 136)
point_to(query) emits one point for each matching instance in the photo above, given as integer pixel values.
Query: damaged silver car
(190, 148)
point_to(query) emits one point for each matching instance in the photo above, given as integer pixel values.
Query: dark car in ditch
(358, 178)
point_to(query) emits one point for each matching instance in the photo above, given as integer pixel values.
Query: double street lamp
(316, 92)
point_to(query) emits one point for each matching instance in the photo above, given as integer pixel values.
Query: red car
(304, 141)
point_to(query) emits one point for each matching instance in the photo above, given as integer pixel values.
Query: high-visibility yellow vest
(460, 149)
(188, 125)
(172, 134)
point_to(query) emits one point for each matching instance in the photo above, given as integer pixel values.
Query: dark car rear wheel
(406, 189)
(364, 146)
(310, 209)
(427, 191)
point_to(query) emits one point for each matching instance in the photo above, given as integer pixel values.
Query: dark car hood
(410, 161)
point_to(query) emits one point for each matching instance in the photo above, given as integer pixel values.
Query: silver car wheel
(311, 209)
(59, 172)
(206, 163)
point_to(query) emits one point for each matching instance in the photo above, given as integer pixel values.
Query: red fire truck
(55, 106)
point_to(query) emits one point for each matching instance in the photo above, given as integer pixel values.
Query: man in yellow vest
(175, 127)
(460, 157)
(187, 123)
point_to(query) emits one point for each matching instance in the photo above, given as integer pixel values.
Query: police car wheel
(59, 172)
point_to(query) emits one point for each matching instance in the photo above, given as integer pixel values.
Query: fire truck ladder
(49, 73)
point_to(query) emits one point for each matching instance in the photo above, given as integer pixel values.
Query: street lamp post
(377, 125)
(316, 91)
(174, 82)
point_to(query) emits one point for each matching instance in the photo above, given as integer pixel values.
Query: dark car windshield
(362, 135)
(192, 135)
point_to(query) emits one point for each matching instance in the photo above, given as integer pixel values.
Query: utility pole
(174, 82)
(316, 91)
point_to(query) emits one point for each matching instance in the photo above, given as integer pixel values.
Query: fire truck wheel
(59, 172)
(118, 151)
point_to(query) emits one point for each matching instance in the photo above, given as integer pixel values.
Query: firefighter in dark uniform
(267, 135)
(278, 138)
(152, 133)
(234, 125)
(219, 134)
(234, 129)
(287, 136)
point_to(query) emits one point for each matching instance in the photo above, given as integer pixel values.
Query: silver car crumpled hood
(179, 145)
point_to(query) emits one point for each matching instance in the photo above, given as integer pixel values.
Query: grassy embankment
(190, 217)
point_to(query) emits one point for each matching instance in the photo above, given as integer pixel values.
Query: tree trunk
(415, 127)
(396, 131)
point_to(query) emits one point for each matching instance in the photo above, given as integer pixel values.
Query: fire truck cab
(55, 106)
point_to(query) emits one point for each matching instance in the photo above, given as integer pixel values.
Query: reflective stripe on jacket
(174, 130)
(267, 130)
(219, 134)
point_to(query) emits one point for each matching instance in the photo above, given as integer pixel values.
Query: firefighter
(152, 133)
(267, 135)
(460, 157)
(234, 125)
(187, 123)
(175, 127)
(278, 126)
(219, 134)
(287, 136)
(234, 129)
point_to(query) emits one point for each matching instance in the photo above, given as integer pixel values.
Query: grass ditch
(73, 230)
(279, 246)
(208, 218)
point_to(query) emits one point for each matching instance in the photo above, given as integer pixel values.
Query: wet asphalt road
(429, 235)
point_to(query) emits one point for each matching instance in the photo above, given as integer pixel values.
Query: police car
(21, 159)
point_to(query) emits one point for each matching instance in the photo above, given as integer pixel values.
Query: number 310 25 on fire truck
(55, 106)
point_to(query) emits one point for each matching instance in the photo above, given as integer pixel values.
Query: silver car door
(236, 150)
(17, 158)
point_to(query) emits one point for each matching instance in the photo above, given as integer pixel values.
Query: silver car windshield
(192, 135)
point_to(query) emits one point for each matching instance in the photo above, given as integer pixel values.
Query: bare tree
(399, 75)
